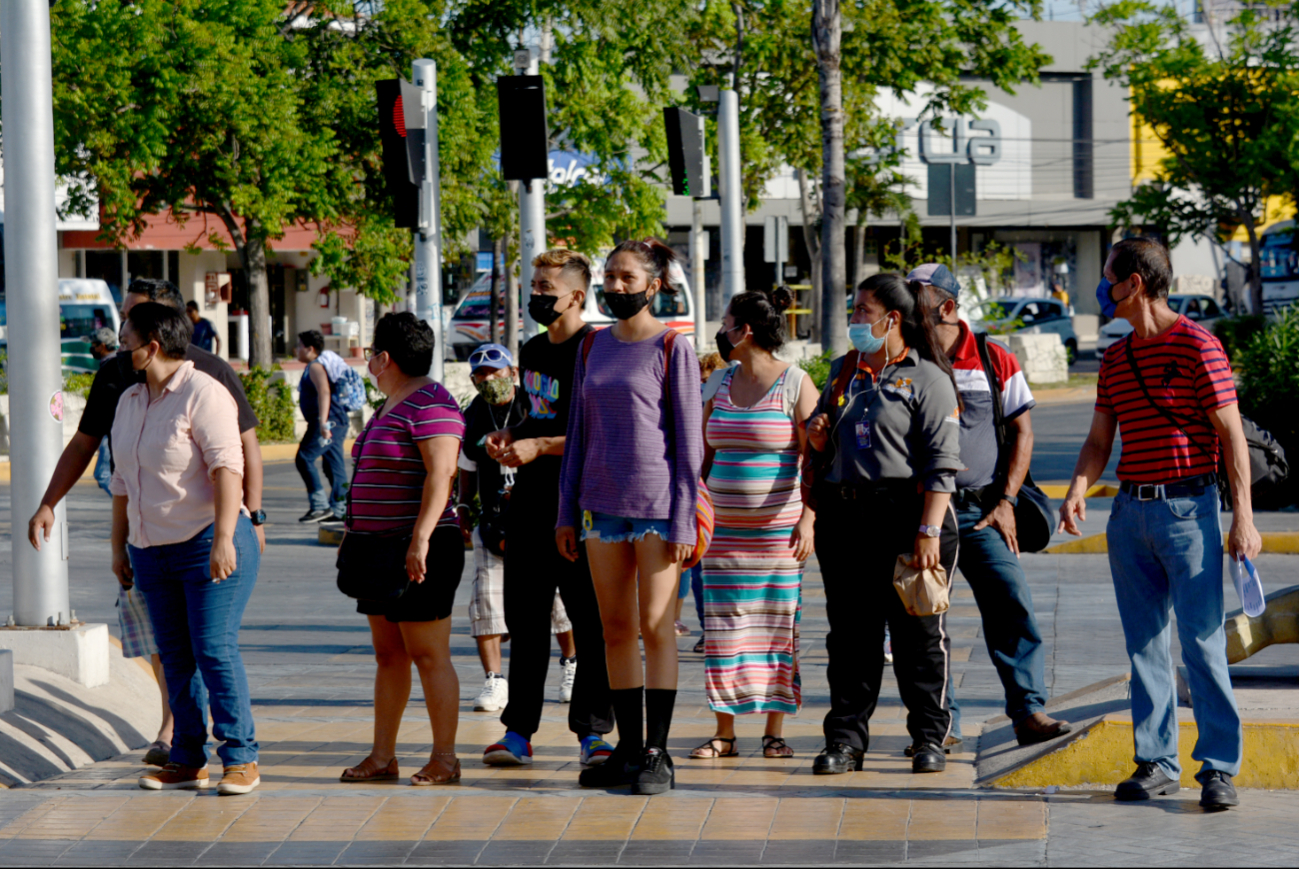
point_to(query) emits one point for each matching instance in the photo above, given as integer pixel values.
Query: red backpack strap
(669, 340)
(841, 382)
(587, 343)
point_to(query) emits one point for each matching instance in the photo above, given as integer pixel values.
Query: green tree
(1226, 114)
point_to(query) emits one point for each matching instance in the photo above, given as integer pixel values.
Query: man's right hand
(818, 431)
(40, 526)
(1073, 511)
(496, 442)
(122, 569)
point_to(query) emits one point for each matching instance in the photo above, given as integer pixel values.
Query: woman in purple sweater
(630, 479)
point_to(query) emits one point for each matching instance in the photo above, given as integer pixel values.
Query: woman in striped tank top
(753, 570)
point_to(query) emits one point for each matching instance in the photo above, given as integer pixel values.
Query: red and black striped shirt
(1186, 372)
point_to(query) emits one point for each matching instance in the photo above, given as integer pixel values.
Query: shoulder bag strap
(1167, 414)
(793, 389)
(994, 383)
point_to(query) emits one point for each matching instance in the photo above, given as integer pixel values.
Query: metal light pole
(952, 170)
(428, 240)
(731, 193)
(532, 211)
(32, 273)
(698, 253)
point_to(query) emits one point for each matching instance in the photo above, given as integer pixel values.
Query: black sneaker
(616, 771)
(1149, 780)
(656, 773)
(928, 758)
(316, 516)
(1217, 792)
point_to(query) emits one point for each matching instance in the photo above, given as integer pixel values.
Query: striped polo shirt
(1186, 372)
(389, 480)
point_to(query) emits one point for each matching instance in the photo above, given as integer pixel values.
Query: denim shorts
(608, 528)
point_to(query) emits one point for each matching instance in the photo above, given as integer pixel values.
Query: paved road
(310, 671)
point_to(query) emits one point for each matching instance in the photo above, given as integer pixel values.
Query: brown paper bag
(923, 592)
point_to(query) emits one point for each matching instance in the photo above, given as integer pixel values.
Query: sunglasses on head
(488, 354)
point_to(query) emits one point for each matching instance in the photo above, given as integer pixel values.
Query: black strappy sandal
(708, 746)
(775, 743)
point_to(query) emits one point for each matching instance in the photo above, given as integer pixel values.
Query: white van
(85, 304)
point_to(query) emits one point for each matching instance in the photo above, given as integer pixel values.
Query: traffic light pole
(428, 238)
(532, 219)
(698, 253)
(31, 268)
(731, 194)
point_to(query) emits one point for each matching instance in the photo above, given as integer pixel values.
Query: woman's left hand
(926, 553)
(679, 552)
(417, 560)
(223, 559)
(803, 540)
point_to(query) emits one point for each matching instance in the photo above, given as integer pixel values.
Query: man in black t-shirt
(534, 568)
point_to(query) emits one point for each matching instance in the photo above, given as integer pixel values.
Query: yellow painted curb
(1274, 543)
(1102, 755)
(1059, 490)
(288, 452)
(330, 536)
(89, 473)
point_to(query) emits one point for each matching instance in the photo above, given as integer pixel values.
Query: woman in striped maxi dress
(753, 570)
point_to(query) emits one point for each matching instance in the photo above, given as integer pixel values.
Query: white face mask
(374, 378)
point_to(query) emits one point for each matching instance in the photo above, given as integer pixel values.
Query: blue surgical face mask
(1108, 305)
(862, 336)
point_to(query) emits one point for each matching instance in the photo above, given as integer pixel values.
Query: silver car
(1202, 309)
(1032, 315)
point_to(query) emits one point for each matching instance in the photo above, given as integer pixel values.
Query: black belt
(1188, 487)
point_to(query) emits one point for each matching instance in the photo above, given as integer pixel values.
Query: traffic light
(521, 102)
(396, 163)
(687, 159)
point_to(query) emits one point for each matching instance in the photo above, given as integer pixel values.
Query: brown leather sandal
(363, 773)
(708, 751)
(427, 776)
(775, 746)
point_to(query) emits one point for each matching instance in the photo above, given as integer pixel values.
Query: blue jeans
(196, 626)
(1006, 607)
(335, 473)
(1168, 554)
(104, 467)
(697, 589)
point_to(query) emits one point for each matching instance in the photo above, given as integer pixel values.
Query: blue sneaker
(512, 750)
(595, 750)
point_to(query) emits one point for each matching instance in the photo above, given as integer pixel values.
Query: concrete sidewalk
(310, 669)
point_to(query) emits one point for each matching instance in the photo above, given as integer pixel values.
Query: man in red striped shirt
(1169, 387)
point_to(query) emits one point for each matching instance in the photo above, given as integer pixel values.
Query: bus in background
(1279, 266)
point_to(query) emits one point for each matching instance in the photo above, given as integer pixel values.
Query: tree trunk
(827, 32)
(810, 218)
(259, 304)
(858, 252)
(1255, 272)
(495, 301)
(511, 303)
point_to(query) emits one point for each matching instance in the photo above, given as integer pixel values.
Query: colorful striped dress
(752, 583)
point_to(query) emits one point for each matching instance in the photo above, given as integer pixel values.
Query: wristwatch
(258, 517)
(931, 530)
(1014, 502)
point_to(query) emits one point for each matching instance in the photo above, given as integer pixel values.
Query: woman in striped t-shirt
(401, 489)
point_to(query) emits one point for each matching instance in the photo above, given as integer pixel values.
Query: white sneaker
(495, 694)
(569, 668)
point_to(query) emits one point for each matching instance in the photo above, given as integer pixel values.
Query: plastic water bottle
(1248, 587)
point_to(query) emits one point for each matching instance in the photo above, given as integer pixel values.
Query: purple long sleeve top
(634, 449)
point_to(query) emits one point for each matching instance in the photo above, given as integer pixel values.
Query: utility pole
(532, 209)
(731, 193)
(40, 579)
(698, 253)
(428, 236)
(952, 168)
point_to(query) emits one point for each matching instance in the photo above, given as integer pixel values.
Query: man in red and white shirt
(1169, 387)
(986, 492)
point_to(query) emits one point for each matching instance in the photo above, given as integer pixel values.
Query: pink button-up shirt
(167, 452)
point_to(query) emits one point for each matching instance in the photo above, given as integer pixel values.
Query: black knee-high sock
(628, 711)
(658, 716)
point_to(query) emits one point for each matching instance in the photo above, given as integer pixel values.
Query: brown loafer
(1039, 727)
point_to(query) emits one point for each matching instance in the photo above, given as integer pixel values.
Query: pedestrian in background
(753, 569)
(986, 491)
(631, 480)
(400, 496)
(180, 533)
(1169, 388)
(205, 334)
(327, 424)
(886, 442)
(496, 407)
(534, 570)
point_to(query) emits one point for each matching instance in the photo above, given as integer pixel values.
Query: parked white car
(1203, 309)
(1030, 315)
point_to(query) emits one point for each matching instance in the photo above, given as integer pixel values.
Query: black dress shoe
(656, 774)
(948, 744)
(837, 758)
(1149, 780)
(618, 770)
(928, 758)
(1217, 791)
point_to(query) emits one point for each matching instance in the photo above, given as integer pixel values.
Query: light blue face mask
(863, 339)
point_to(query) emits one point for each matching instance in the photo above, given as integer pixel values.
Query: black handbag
(1033, 519)
(371, 566)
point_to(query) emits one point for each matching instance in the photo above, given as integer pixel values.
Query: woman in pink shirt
(180, 533)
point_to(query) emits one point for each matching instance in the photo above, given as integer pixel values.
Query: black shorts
(432, 599)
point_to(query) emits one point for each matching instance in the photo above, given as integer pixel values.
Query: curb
(1058, 491)
(1274, 543)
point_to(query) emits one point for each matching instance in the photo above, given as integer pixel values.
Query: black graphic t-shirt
(546, 371)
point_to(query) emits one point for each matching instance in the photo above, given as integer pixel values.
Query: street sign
(687, 156)
(940, 189)
(775, 240)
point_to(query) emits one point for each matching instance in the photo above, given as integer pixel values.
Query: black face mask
(624, 306)
(542, 309)
(724, 345)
